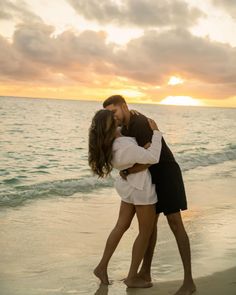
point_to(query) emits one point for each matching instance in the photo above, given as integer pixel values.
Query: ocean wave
(202, 158)
(61, 188)
(19, 194)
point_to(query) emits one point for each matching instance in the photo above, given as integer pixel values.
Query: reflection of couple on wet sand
(150, 182)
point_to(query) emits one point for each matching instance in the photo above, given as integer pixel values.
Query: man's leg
(145, 270)
(126, 215)
(177, 227)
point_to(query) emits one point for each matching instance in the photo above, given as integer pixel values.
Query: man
(169, 187)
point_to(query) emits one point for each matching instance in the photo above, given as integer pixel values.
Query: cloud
(228, 5)
(35, 55)
(38, 44)
(153, 57)
(144, 13)
(6, 8)
(14, 66)
(209, 68)
(17, 10)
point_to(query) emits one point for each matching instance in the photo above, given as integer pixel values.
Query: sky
(180, 52)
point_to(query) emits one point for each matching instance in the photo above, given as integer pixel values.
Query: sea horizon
(130, 103)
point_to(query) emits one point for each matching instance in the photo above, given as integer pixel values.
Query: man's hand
(147, 145)
(134, 112)
(152, 124)
(134, 169)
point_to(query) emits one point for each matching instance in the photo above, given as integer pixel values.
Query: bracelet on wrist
(125, 172)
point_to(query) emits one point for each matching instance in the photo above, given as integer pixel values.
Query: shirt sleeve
(143, 132)
(137, 154)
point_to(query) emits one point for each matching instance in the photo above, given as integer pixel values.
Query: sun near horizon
(168, 93)
(181, 101)
(76, 50)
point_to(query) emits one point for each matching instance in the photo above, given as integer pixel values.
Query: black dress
(166, 174)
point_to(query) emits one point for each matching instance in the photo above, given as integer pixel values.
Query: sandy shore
(218, 283)
(50, 247)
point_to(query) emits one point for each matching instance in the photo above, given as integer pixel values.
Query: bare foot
(102, 290)
(186, 289)
(102, 275)
(137, 283)
(144, 276)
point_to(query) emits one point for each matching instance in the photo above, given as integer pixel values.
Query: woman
(108, 149)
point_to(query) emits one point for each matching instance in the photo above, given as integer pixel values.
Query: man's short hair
(114, 99)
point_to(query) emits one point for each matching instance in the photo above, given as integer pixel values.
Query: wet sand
(218, 283)
(50, 246)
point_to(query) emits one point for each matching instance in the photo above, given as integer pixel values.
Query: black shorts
(171, 197)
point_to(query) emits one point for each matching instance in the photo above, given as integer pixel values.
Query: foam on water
(61, 188)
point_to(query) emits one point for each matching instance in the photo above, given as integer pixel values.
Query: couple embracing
(150, 182)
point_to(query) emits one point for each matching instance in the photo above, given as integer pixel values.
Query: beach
(55, 215)
(218, 283)
(62, 63)
(51, 246)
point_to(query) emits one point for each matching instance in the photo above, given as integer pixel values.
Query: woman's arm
(135, 154)
(137, 167)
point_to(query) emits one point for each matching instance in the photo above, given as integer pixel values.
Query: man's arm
(138, 167)
(145, 127)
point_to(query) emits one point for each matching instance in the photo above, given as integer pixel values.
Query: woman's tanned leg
(126, 215)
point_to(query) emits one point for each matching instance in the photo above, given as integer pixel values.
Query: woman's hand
(152, 124)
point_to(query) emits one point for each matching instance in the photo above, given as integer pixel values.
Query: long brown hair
(101, 136)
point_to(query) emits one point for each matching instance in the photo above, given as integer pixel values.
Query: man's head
(117, 104)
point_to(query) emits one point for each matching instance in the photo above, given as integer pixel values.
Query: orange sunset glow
(82, 52)
(181, 101)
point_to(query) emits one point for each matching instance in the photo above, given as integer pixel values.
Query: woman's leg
(126, 215)
(146, 215)
(145, 270)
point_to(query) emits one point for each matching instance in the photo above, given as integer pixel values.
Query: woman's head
(102, 133)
